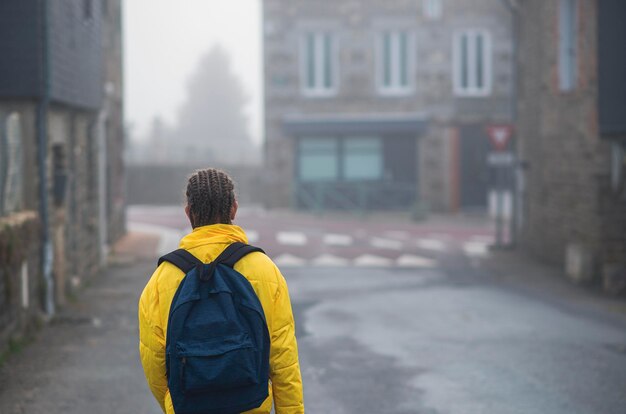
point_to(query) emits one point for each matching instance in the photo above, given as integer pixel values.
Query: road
(392, 317)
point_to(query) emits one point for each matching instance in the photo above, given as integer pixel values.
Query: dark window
(88, 9)
(568, 48)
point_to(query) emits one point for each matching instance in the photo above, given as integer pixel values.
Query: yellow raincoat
(206, 243)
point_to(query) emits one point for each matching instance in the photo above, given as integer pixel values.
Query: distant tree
(212, 122)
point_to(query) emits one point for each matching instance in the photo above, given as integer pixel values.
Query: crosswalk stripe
(338, 239)
(386, 243)
(328, 260)
(431, 244)
(289, 260)
(409, 260)
(476, 249)
(253, 236)
(291, 238)
(368, 260)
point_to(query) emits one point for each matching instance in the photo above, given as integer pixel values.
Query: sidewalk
(529, 276)
(86, 360)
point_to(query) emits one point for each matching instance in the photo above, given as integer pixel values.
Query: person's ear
(188, 213)
(233, 210)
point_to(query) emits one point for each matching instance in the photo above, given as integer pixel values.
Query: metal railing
(358, 197)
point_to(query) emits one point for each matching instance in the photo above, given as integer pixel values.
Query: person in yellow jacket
(211, 207)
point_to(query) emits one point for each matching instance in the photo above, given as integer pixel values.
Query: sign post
(501, 159)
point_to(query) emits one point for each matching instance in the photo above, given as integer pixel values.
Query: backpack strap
(182, 259)
(233, 253)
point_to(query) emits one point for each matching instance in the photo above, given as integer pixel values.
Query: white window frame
(472, 89)
(396, 88)
(319, 89)
(568, 45)
(432, 9)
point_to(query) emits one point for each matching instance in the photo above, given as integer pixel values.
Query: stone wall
(20, 281)
(355, 25)
(72, 173)
(569, 200)
(166, 184)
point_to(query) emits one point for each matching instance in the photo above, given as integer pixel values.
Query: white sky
(163, 42)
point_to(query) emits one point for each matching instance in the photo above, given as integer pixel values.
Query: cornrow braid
(210, 197)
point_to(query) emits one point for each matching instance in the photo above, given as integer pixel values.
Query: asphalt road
(441, 339)
(435, 342)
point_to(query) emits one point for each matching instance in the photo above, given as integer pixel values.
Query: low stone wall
(165, 184)
(20, 286)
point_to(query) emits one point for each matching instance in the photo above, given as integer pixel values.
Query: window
(363, 159)
(319, 66)
(472, 63)
(318, 159)
(11, 164)
(334, 159)
(87, 9)
(432, 9)
(568, 51)
(395, 62)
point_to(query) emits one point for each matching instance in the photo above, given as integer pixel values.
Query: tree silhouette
(212, 125)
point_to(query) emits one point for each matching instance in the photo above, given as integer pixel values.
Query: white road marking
(409, 260)
(289, 260)
(369, 260)
(386, 243)
(338, 239)
(291, 238)
(431, 244)
(476, 249)
(328, 260)
(253, 236)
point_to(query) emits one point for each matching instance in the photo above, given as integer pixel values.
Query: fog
(431, 196)
(164, 41)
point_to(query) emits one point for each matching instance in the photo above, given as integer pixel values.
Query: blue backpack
(217, 344)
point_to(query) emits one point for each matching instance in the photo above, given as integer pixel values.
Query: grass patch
(15, 346)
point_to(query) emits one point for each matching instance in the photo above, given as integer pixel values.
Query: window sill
(396, 93)
(319, 93)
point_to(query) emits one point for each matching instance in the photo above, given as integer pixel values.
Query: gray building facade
(61, 143)
(373, 104)
(572, 136)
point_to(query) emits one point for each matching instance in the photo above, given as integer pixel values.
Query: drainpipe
(42, 156)
(101, 132)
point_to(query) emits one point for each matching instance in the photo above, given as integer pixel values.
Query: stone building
(61, 137)
(572, 131)
(382, 104)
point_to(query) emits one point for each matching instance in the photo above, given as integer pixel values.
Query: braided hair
(210, 197)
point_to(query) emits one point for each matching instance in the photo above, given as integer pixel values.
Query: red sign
(500, 135)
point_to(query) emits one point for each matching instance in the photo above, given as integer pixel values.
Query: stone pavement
(86, 360)
(526, 274)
